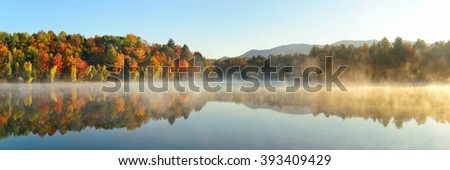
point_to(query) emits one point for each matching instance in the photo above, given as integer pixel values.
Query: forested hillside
(47, 56)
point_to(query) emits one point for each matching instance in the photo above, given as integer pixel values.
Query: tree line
(47, 56)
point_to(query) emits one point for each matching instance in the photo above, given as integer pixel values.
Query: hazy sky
(230, 28)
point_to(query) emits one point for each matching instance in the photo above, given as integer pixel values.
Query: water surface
(65, 116)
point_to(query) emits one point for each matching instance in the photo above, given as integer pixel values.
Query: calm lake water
(65, 116)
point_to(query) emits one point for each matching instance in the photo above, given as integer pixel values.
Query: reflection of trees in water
(50, 110)
(47, 110)
(382, 104)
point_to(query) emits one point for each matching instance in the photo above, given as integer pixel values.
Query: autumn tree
(157, 68)
(5, 61)
(52, 74)
(119, 63)
(73, 73)
(28, 71)
(59, 63)
(81, 66)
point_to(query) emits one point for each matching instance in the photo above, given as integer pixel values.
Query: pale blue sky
(230, 28)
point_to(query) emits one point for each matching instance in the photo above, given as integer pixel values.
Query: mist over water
(81, 116)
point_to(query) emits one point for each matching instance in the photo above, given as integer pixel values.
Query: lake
(80, 116)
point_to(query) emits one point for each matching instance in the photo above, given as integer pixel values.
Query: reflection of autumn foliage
(120, 103)
(47, 111)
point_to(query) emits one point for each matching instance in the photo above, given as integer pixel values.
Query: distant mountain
(300, 48)
(224, 58)
(284, 49)
(355, 43)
